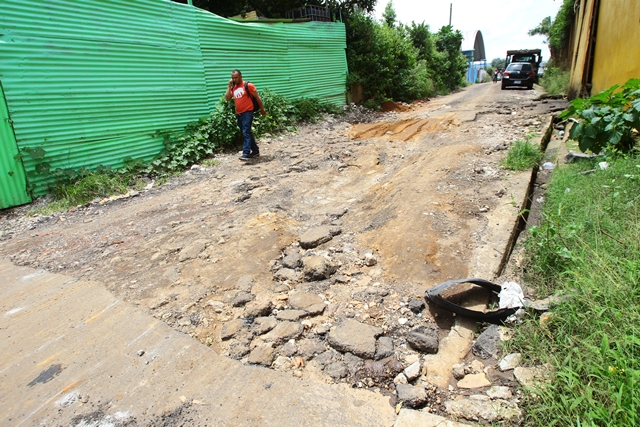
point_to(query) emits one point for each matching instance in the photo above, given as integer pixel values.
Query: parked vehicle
(519, 74)
(532, 56)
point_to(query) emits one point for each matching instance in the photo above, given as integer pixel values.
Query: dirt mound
(403, 130)
(392, 106)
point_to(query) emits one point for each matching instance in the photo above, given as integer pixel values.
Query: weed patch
(588, 247)
(522, 155)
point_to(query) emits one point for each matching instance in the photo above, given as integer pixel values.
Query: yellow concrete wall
(581, 35)
(617, 56)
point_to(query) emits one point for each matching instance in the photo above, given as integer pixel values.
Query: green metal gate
(13, 182)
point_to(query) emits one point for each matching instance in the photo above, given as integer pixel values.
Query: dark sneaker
(255, 154)
(245, 158)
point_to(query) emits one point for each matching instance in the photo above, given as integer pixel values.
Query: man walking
(237, 90)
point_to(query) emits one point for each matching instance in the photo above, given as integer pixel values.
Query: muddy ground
(216, 252)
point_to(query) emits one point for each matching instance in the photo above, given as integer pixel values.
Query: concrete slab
(73, 354)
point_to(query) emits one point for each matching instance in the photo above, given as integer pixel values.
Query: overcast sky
(504, 24)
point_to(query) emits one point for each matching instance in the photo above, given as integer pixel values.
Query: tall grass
(522, 155)
(555, 81)
(588, 247)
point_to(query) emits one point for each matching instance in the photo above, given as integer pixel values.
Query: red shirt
(242, 100)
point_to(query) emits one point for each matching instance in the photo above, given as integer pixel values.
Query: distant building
(473, 48)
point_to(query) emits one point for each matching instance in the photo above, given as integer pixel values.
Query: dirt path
(407, 203)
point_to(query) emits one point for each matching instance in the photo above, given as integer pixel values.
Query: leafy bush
(607, 120)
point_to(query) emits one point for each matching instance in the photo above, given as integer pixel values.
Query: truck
(532, 56)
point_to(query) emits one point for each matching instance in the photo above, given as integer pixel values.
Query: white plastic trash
(511, 295)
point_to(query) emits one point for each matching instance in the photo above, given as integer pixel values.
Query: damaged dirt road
(314, 258)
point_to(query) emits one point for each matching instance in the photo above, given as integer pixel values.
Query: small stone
(509, 362)
(310, 347)
(474, 381)
(403, 320)
(324, 358)
(411, 396)
(291, 315)
(416, 305)
(477, 407)
(458, 371)
(304, 300)
(239, 349)
(231, 328)
(400, 379)
(258, 309)
(370, 260)
(488, 343)
(528, 377)
(500, 392)
(289, 349)
(140, 353)
(292, 261)
(412, 371)
(242, 299)
(217, 306)
(262, 355)
(323, 329)
(384, 348)
(286, 274)
(424, 339)
(336, 370)
(315, 237)
(281, 288)
(317, 268)
(245, 284)
(316, 309)
(284, 331)
(354, 337)
(262, 325)
(477, 367)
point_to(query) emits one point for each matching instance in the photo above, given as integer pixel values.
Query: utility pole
(450, 12)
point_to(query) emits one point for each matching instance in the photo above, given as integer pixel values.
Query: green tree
(389, 16)
(558, 32)
(543, 29)
(450, 63)
(422, 39)
(498, 62)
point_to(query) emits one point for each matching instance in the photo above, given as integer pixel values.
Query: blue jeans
(249, 148)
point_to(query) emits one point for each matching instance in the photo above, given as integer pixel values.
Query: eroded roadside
(224, 253)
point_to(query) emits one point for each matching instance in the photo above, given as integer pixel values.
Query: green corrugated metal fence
(90, 81)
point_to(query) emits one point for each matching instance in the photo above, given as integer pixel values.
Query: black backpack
(256, 106)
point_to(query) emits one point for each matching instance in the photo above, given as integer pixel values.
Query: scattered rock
(529, 377)
(193, 250)
(262, 355)
(310, 347)
(354, 337)
(411, 396)
(217, 306)
(262, 325)
(316, 309)
(315, 237)
(412, 371)
(291, 315)
(324, 358)
(336, 370)
(424, 339)
(416, 305)
(258, 309)
(401, 378)
(459, 371)
(509, 362)
(245, 284)
(384, 348)
(239, 349)
(474, 381)
(488, 343)
(242, 299)
(317, 268)
(284, 331)
(304, 300)
(286, 274)
(231, 328)
(289, 349)
(292, 261)
(478, 407)
(370, 260)
(353, 362)
(500, 392)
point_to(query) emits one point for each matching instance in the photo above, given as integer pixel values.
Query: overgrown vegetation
(558, 32)
(401, 62)
(196, 143)
(588, 247)
(522, 155)
(607, 121)
(555, 81)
